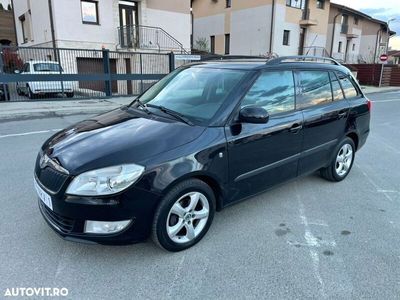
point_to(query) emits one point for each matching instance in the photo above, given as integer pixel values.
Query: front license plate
(43, 196)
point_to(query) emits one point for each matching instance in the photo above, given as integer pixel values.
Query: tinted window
(348, 87)
(336, 88)
(46, 67)
(194, 92)
(315, 88)
(274, 91)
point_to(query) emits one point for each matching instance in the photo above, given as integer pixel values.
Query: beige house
(258, 27)
(113, 24)
(7, 29)
(354, 36)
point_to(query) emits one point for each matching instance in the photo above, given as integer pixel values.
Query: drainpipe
(333, 32)
(53, 37)
(272, 27)
(376, 44)
(15, 25)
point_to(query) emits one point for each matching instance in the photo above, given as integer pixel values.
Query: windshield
(47, 67)
(196, 93)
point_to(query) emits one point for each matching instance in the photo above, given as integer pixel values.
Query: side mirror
(17, 71)
(253, 114)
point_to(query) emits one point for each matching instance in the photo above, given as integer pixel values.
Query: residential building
(93, 24)
(259, 27)
(7, 29)
(354, 36)
(394, 57)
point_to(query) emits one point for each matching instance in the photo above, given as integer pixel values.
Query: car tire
(341, 162)
(184, 215)
(70, 95)
(31, 95)
(19, 92)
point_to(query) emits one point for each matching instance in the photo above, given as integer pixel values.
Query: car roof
(261, 64)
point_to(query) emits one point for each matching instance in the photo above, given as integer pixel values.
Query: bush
(11, 61)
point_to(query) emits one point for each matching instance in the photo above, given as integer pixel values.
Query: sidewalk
(16, 110)
(37, 109)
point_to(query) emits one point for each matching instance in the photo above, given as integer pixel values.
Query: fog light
(101, 227)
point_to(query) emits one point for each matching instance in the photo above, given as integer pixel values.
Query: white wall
(176, 24)
(208, 26)
(40, 21)
(250, 30)
(367, 47)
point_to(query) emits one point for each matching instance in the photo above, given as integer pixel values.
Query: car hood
(118, 137)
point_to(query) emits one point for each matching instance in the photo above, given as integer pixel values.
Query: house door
(302, 39)
(128, 21)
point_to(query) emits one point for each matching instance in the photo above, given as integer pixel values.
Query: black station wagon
(207, 135)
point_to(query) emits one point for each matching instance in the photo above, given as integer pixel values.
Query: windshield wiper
(171, 112)
(143, 106)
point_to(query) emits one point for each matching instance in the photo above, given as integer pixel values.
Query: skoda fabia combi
(204, 137)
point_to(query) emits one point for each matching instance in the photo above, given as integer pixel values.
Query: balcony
(147, 38)
(305, 19)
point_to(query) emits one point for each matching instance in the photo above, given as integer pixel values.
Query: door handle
(295, 128)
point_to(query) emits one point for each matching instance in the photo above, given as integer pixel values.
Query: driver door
(262, 155)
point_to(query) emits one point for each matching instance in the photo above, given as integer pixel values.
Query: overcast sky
(382, 10)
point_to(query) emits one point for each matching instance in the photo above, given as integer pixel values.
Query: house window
(340, 47)
(296, 3)
(212, 44)
(286, 35)
(320, 4)
(26, 27)
(227, 43)
(228, 3)
(90, 12)
(354, 47)
(355, 21)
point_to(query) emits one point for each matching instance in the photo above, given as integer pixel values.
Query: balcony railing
(147, 37)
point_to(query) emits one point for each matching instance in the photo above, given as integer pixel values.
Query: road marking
(28, 133)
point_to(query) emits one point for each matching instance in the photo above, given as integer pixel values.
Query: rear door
(261, 155)
(325, 113)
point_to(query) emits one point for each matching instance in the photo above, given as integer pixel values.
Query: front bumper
(70, 213)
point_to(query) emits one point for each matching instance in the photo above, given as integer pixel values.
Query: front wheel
(342, 161)
(184, 215)
(31, 95)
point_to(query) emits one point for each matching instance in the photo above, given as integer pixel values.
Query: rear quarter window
(348, 85)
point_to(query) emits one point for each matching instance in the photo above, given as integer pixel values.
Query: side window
(274, 91)
(315, 88)
(348, 86)
(336, 88)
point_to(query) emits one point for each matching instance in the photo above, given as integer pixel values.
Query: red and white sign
(384, 57)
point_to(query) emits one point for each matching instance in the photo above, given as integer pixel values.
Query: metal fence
(28, 73)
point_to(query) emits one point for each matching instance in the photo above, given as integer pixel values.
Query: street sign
(384, 57)
(187, 57)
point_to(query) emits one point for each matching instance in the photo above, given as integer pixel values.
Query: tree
(9, 7)
(1, 7)
(11, 61)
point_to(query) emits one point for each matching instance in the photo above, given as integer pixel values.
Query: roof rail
(279, 60)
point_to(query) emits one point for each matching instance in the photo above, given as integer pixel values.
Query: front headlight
(106, 181)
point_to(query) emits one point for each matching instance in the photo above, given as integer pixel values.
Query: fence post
(171, 61)
(107, 71)
(141, 72)
(60, 71)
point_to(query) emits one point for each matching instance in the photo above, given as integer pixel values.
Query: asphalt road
(308, 239)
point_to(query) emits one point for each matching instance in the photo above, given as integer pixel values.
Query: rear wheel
(184, 215)
(342, 161)
(70, 95)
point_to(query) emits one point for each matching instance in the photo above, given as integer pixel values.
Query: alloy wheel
(344, 159)
(188, 217)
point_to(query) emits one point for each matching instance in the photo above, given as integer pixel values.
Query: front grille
(50, 178)
(64, 224)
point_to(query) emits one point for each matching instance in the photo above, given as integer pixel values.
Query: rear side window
(315, 88)
(274, 91)
(349, 89)
(336, 88)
